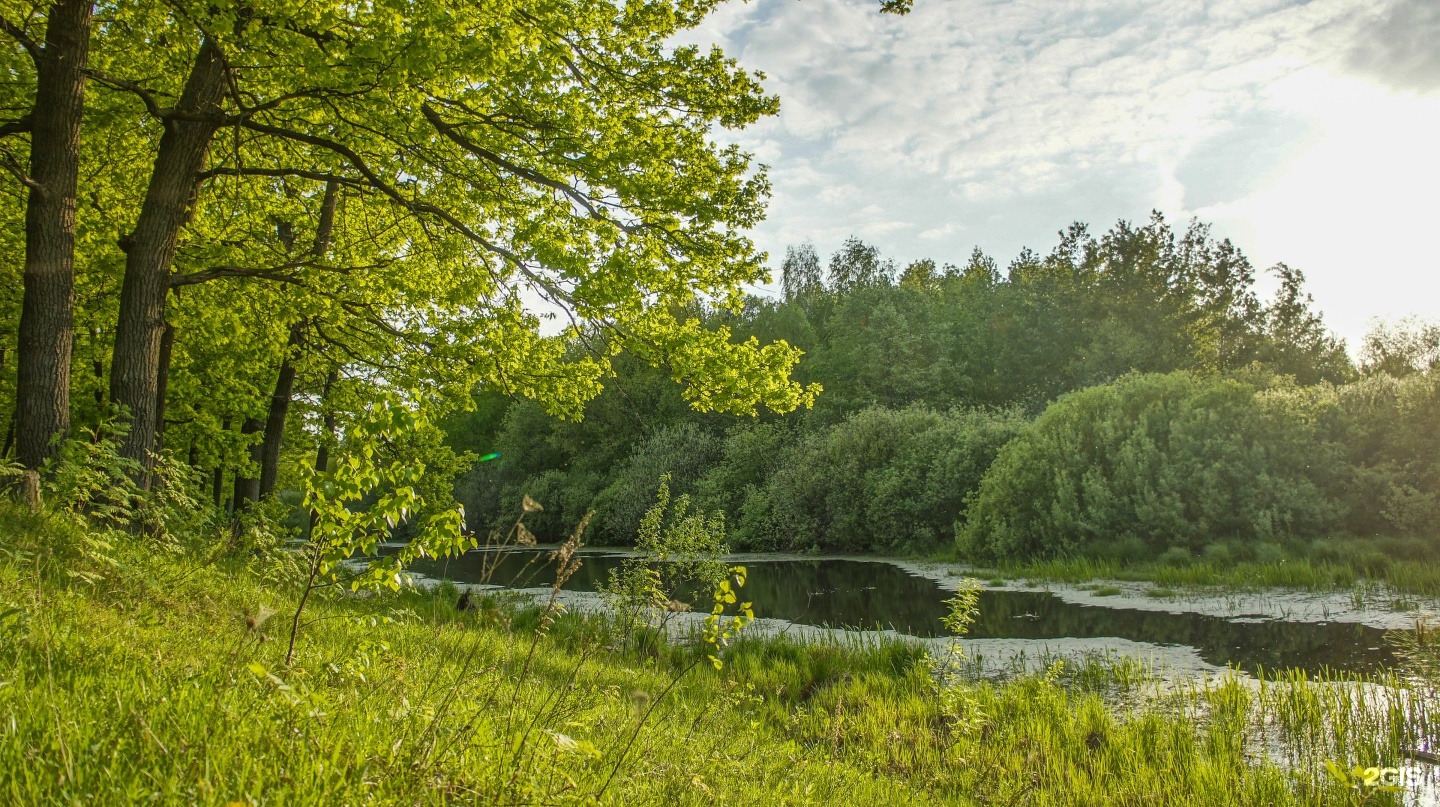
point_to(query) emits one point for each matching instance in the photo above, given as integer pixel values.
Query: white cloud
(997, 123)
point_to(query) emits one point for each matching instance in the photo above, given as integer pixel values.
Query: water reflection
(859, 594)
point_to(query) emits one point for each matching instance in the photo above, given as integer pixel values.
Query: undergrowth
(130, 675)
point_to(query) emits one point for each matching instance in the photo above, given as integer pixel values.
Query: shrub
(1167, 460)
(1391, 428)
(881, 479)
(681, 453)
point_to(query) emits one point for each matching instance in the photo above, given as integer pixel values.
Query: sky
(1305, 132)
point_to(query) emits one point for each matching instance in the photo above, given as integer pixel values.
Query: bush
(1391, 427)
(882, 480)
(1166, 460)
(682, 453)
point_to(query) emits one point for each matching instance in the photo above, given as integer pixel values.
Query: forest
(1127, 396)
(302, 302)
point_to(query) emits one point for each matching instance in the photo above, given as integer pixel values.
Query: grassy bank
(1399, 565)
(134, 673)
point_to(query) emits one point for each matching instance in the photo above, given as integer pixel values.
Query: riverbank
(130, 674)
(1373, 605)
(1370, 572)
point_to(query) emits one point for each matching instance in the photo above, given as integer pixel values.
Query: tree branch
(282, 273)
(18, 34)
(458, 138)
(23, 124)
(377, 182)
(12, 165)
(146, 96)
(318, 176)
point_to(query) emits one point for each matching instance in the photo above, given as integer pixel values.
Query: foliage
(1160, 461)
(88, 484)
(720, 629)
(958, 700)
(357, 504)
(679, 555)
(924, 377)
(678, 454)
(880, 480)
(357, 258)
(1391, 428)
(1400, 349)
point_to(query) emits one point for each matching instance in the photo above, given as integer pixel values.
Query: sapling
(958, 703)
(677, 548)
(358, 503)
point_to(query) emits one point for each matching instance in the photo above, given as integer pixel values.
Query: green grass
(135, 674)
(1403, 565)
(1407, 576)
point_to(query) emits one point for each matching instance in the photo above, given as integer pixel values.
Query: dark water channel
(867, 595)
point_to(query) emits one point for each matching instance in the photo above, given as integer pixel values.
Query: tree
(1298, 343)
(46, 333)
(558, 150)
(800, 273)
(1400, 349)
(858, 264)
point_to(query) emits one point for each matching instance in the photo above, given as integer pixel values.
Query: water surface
(856, 594)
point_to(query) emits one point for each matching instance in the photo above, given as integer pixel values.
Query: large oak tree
(482, 160)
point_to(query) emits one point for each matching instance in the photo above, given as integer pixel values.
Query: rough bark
(279, 409)
(162, 383)
(30, 491)
(247, 488)
(150, 249)
(285, 381)
(47, 312)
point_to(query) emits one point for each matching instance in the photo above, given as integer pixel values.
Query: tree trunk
(322, 451)
(247, 488)
(150, 249)
(279, 408)
(97, 366)
(218, 482)
(285, 382)
(162, 384)
(47, 313)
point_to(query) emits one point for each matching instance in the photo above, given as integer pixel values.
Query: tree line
(1124, 393)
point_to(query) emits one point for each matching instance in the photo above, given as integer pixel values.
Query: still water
(873, 594)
